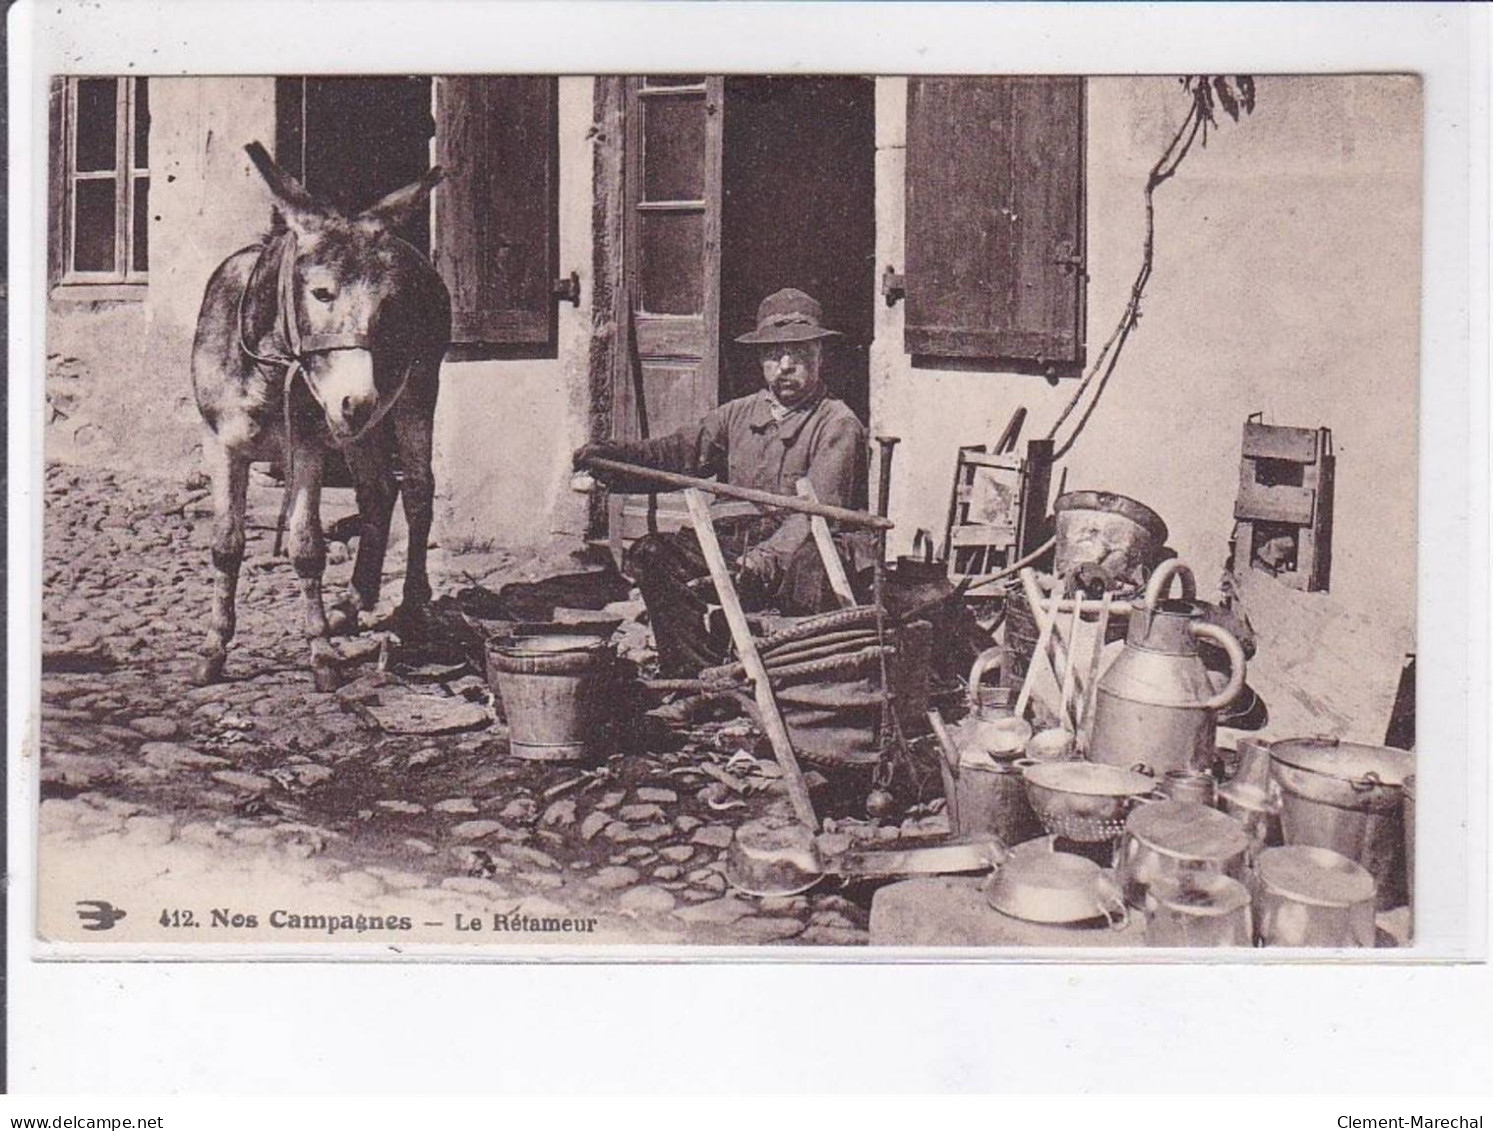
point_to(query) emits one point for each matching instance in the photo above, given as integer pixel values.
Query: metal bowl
(1039, 885)
(767, 860)
(1085, 802)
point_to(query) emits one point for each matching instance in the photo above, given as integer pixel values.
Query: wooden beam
(746, 649)
(826, 545)
(750, 494)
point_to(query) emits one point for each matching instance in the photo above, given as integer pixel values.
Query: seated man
(788, 430)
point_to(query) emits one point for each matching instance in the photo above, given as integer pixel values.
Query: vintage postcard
(517, 514)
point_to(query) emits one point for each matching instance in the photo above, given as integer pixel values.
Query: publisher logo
(99, 915)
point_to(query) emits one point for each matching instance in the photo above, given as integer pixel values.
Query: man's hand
(753, 575)
(581, 458)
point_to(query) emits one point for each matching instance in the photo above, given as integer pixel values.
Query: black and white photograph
(731, 510)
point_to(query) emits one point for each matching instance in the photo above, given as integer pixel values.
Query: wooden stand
(981, 541)
(1284, 508)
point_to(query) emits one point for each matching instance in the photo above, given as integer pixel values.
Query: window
(995, 223)
(102, 222)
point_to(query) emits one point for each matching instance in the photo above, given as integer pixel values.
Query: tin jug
(990, 727)
(1156, 707)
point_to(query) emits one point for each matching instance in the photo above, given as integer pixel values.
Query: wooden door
(670, 372)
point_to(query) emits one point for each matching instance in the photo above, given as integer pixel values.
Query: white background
(807, 1024)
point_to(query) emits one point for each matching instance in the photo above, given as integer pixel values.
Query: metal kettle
(1156, 709)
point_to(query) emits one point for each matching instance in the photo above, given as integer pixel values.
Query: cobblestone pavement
(260, 780)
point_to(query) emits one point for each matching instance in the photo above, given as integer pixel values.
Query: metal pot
(1305, 896)
(992, 799)
(776, 859)
(1156, 706)
(1039, 885)
(1198, 909)
(1082, 801)
(1347, 796)
(1189, 785)
(1175, 838)
(1258, 810)
(1098, 528)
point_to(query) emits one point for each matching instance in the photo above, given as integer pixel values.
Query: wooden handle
(825, 543)
(746, 648)
(750, 494)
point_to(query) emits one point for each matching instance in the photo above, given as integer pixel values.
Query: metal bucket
(992, 799)
(1346, 796)
(552, 691)
(1198, 909)
(1305, 896)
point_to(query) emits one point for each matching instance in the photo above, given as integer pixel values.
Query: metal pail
(551, 690)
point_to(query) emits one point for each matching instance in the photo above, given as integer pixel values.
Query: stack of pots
(1347, 797)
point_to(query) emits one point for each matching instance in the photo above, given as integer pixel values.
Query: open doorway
(798, 209)
(351, 140)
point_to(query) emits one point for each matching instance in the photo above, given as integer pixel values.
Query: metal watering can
(1156, 709)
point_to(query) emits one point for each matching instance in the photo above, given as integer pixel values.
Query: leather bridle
(298, 347)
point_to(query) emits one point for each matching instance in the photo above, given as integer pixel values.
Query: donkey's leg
(230, 485)
(308, 553)
(376, 492)
(414, 425)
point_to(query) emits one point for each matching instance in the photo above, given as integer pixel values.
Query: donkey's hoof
(326, 676)
(209, 669)
(326, 668)
(342, 619)
(412, 623)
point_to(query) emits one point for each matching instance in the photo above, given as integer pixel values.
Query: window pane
(675, 80)
(673, 265)
(142, 123)
(93, 233)
(140, 253)
(96, 122)
(674, 148)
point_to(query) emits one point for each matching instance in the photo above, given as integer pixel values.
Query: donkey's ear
(401, 204)
(295, 203)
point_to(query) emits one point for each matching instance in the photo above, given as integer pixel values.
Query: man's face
(791, 370)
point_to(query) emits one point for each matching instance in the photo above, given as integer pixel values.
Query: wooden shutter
(56, 180)
(995, 224)
(495, 238)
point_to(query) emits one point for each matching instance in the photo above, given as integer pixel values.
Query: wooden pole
(826, 545)
(746, 648)
(750, 494)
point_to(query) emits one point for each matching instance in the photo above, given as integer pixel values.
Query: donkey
(329, 333)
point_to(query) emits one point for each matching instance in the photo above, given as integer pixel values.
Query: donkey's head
(339, 277)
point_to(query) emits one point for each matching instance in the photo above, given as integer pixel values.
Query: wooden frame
(642, 333)
(125, 177)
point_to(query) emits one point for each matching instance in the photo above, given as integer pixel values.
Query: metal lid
(1092, 779)
(1317, 876)
(1203, 894)
(1188, 829)
(1345, 761)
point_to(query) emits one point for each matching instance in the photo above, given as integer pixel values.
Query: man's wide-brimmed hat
(788, 315)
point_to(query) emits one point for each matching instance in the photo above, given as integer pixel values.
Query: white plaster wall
(128, 385)
(1286, 280)
(505, 429)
